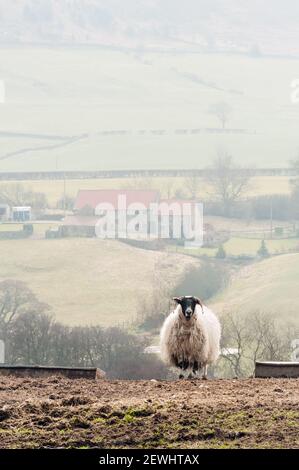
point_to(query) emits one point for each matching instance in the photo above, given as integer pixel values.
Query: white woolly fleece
(196, 340)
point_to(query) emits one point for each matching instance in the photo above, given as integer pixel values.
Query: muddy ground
(57, 412)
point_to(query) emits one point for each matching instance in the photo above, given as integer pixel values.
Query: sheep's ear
(178, 300)
(199, 302)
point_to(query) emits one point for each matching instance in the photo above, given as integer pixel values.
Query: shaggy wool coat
(194, 340)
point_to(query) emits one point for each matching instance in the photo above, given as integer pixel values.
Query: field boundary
(98, 174)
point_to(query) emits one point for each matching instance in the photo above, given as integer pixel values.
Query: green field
(70, 92)
(39, 228)
(246, 246)
(89, 281)
(269, 286)
(11, 227)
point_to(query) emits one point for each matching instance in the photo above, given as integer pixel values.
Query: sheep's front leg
(205, 372)
(184, 366)
(182, 373)
(194, 368)
(191, 375)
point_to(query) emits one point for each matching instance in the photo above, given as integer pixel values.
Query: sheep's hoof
(191, 376)
(181, 376)
(204, 377)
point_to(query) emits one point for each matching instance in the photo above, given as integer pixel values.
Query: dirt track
(57, 412)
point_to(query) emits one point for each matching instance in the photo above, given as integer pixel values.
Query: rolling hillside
(89, 281)
(231, 25)
(88, 108)
(91, 84)
(269, 286)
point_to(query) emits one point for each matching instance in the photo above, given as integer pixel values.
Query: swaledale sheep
(190, 337)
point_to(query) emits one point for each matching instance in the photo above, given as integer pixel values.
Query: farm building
(4, 212)
(78, 226)
(88, 200)
(21, 213)
(90, 206)
(162, 218)
(15, 214)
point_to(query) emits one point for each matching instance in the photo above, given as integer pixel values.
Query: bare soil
(57, 412)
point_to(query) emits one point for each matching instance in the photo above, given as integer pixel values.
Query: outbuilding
(21, 213)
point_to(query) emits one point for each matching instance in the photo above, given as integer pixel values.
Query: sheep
(190, 337)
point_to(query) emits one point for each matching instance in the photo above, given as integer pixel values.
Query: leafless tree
(66, 202)
(143, 183)
(235, 341)
(227, 181)
(30, 338)
(222, 110)
(252, 337)
(192, 184)
(168, 187)
(16, 298)
(16, 194)
(12, 193)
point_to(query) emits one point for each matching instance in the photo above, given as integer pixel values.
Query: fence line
(133, 173)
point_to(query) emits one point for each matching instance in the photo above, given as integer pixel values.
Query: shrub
(221, 253)
(28, 229)
(263, 250)
(203, 281)
(152, 321)
(66, 203)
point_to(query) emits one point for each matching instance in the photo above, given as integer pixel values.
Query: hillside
(89, 108)
(230, 25)
(89, 281)
(269, 286)
(94, 84)
(55, 412)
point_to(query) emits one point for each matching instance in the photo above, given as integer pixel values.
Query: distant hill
(270, 286)
(130, 84)
(235, 25)
(90, 281)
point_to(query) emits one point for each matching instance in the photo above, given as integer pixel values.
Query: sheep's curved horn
(199, 302)
(177, 299)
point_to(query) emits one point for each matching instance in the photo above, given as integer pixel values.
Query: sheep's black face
(188, 305)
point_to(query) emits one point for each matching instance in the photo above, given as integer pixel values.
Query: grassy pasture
(39, 228)
(11, 227)
(69, 92)
(89, 281)
(270, 286)
(248, 246)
